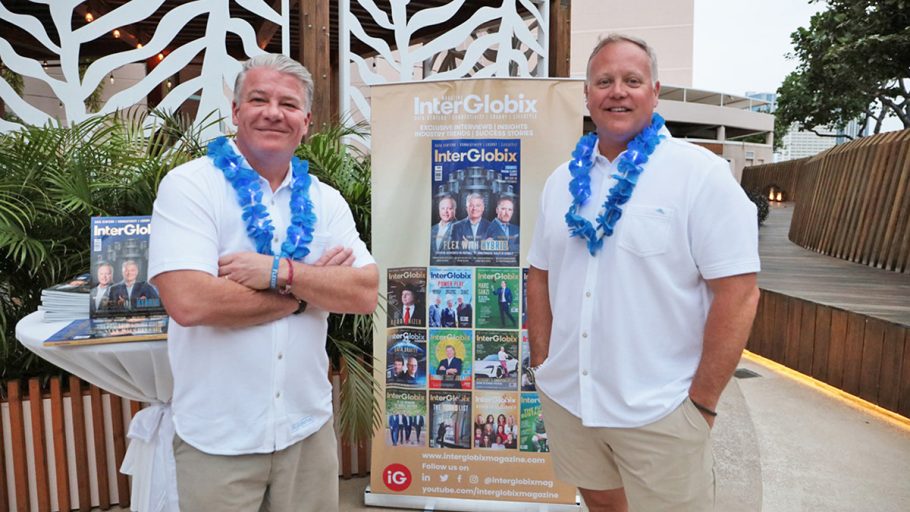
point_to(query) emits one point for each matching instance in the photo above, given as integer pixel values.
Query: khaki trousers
(300, 478)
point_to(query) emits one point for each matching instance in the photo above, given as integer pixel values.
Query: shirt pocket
(646, 229)
(317, 247)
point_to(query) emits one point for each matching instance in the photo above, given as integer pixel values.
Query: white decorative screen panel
(505, 40)
(72, 86)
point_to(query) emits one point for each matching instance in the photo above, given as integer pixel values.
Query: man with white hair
(250, 254)
(641, 294)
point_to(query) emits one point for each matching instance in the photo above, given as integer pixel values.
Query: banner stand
(372, 499)
(458, 169)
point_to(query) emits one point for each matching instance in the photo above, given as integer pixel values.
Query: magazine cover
(406, 417)
(407, 289)
(83, 332)
(450, 419)
(475, 196)
(451, 351)
(406, 358)
(496, 420)
(497, 298)
(533, 429)
(527, 381)
(119, 263)
(524, 298)
(451, 292)
(496, 360)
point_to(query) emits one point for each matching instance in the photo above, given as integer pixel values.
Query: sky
(740, 45)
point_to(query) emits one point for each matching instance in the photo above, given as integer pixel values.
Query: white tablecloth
(138, 371)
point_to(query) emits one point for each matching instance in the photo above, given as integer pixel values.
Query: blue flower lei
(630, 167)
(249, 194)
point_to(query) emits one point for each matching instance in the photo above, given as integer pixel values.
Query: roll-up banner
(458, 168)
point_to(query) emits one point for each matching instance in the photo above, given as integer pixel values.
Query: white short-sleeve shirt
(256, 389)
(628, 323)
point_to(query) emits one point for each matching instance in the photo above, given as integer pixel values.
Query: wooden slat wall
(354, 457)
(864, 356)
(852, 201)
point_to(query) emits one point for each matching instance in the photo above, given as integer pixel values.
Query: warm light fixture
(89, 18)
(44, 64)
(112, 78)
(771, 195)
(160, 57)
(116, 33)
(780, 196)
(168, 84)
(138, 45)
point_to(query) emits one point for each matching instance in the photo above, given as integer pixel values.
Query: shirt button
(585, 373)
(280, 356)
(278, 394)
(275, 239)
(584, 335)
(587, 294)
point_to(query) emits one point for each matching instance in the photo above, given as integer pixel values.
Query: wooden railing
(856, 203)
(864, 356)
(65, 454)
(852, 201)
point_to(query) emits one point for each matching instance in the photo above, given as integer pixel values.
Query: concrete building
(716, 120)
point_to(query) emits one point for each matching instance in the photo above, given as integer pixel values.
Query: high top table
(137, 371)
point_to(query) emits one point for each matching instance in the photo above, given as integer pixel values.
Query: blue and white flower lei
(630, 166)
(249, 194)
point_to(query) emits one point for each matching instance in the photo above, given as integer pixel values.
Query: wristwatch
(301, 307)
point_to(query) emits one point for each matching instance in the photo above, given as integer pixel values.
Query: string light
(89, 18)
(168, 84)
(160, 57)
(116, 33)
(138, 46)
(112, 77)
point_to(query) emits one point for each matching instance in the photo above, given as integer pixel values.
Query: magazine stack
(66, 301)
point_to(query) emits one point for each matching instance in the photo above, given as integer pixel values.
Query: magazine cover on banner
(457, 180)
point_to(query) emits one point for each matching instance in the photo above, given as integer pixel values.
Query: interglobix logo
(475, 104)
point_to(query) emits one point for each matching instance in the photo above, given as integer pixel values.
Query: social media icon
(443, 478)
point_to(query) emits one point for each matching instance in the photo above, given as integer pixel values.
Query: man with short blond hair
(641, 294)
(250, 254)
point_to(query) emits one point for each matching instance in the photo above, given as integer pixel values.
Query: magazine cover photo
(475, 202)
(407, 297)
(496, 420)
(497, 292)
(496, 362)
(406, 416)
(451, 292)
(450, 358)
(450, 419)
(406, 358)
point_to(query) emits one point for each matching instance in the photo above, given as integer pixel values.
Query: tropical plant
(343, 165)
(761, 205)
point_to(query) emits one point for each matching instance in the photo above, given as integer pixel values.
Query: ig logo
(397, 477)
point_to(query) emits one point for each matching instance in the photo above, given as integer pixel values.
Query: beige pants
(667, 465)
(301, 478)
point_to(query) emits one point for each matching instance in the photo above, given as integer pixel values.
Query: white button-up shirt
(256, 389)
(628, 323)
